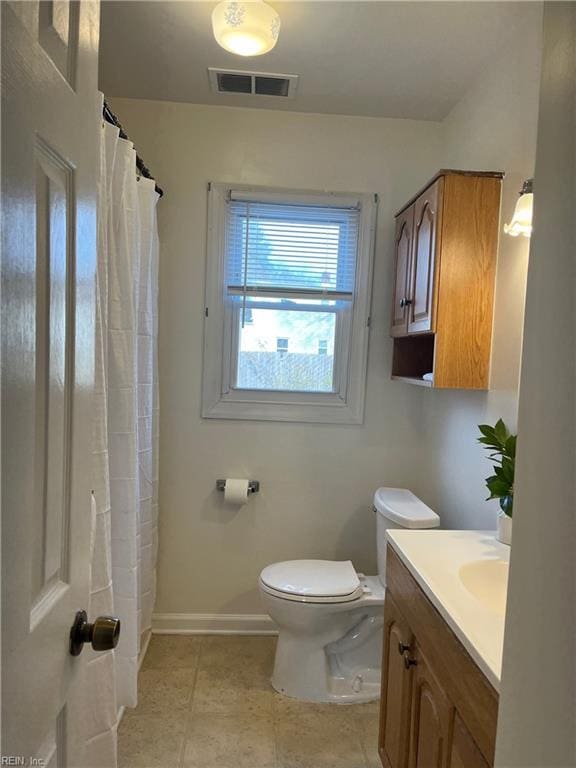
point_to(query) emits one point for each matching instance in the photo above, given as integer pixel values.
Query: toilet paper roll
(236, 491)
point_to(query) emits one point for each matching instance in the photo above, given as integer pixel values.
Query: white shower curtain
(125, 504)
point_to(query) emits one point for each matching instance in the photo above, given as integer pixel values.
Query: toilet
(330, 617)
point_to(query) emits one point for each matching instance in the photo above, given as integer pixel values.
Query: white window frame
(219, 399)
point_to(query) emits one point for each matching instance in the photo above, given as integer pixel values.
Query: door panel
(53, 751)
(58, 34)
(404, 227)
(54, 346)
(464, 752)
(422, 283)
(50, 151)
(431, 718)
(396, 689)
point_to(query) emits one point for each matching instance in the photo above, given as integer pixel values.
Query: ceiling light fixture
(521, 223)
(247, 28)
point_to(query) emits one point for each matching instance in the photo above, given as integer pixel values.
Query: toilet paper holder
(253, 486)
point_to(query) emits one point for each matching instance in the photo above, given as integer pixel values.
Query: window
(287, 304)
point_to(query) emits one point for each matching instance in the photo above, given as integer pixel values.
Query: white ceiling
(387, 59)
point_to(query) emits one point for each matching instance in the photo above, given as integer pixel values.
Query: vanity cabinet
(430, 717)
(396, 687)
(437, 708)
(445, 265)
(464, 751)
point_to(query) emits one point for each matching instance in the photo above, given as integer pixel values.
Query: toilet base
(334, 666)
(340, 690)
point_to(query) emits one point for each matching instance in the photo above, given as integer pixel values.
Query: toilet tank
(398, 508)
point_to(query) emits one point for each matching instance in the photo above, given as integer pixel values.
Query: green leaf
(489, 441)
(508, 469)
(505, 472)
(487, 430)
(494, 450)
(497, 487)
(500, 473)
(501, 432)
(510, 446)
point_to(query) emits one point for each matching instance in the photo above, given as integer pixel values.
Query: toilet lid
(312, 578)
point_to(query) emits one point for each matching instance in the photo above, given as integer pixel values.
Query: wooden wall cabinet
(445, 247)
(437, 708)
(404, 230)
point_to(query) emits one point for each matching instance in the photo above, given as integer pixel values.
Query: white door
(49, 167)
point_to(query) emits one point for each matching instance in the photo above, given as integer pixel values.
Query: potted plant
(502, 447)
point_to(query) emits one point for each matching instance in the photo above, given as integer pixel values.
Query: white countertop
(443, 563)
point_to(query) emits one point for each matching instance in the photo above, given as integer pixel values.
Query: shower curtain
(125, 457)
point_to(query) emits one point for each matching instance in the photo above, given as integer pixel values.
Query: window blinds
(291, 249)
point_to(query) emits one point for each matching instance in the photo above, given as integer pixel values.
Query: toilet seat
(312, 581)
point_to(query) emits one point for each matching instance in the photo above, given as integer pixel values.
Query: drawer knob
(402, 649)
(408, 662)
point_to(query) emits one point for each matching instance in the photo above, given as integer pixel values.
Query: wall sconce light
(521, 223)
(248, 28)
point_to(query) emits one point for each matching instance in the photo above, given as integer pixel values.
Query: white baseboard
(212, 624)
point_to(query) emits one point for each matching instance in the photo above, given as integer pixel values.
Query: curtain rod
(111, 118)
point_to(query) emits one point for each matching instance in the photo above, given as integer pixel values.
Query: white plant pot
(504, 528)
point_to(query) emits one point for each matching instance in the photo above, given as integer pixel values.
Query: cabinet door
(421, 315)
(431, 718)
(403, 241)
(396, 690)
(464, 752)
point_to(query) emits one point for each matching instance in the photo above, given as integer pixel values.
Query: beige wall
(537, 723)
(317, 481)
(492, 128)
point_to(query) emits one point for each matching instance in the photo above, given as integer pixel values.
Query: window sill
(316, 413)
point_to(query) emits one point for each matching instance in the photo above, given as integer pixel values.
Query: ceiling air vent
(231, 81)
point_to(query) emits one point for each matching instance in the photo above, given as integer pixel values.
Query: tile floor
(206, 702)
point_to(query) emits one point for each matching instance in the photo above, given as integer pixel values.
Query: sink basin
(487, 581)
(464, 574)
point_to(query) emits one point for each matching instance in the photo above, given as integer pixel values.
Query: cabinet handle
(402, 303)
(407, 302)
(408, 662)
(402, 649)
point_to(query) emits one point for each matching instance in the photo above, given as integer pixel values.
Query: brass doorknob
(103, 634)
